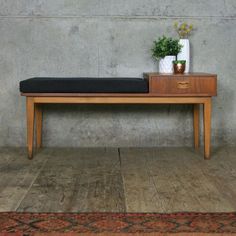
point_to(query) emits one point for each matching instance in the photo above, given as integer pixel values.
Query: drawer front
(189, 86)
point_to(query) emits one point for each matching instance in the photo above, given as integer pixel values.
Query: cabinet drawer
(188, 86)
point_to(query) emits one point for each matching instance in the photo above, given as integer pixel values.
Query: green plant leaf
(166, 47)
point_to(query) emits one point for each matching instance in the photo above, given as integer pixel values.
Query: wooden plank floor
(117, 180)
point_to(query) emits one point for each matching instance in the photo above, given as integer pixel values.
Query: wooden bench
(193, 88)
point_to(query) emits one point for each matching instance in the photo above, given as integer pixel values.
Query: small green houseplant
(179, 66)
(166, 49)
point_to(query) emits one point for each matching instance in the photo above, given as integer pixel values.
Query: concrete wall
(112, 38)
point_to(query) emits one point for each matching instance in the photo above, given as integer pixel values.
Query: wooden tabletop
(197, 74)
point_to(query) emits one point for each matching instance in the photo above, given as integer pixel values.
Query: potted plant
(179, 66)
(184, 30)
(166, 49)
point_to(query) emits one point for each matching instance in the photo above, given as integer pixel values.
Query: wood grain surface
(118, 180)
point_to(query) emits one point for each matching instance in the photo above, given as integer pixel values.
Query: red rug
(117, 223)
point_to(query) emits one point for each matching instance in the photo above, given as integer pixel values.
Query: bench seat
(84, 85)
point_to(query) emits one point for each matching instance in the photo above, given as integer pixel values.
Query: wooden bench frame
(191, 88)
(35, 101)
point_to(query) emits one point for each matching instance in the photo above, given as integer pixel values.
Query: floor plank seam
(116, 164)
(36, 176)
(122, 179)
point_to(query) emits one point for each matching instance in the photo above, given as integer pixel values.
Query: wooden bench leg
(196, 110)
(30, 125)
(207, 128)
(39, 120)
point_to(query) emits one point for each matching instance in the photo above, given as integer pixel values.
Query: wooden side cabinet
(189, 85)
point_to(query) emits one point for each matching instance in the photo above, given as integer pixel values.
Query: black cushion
(84, 85)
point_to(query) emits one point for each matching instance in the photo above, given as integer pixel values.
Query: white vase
(185, 53)
(166, 64)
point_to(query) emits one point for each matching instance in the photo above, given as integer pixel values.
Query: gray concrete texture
(112, 38)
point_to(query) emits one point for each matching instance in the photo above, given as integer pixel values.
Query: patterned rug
(120, 224)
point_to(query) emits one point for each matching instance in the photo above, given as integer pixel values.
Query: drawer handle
(183, 85)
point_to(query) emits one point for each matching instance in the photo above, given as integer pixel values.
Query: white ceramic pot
(166, 64)
(185, 53)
